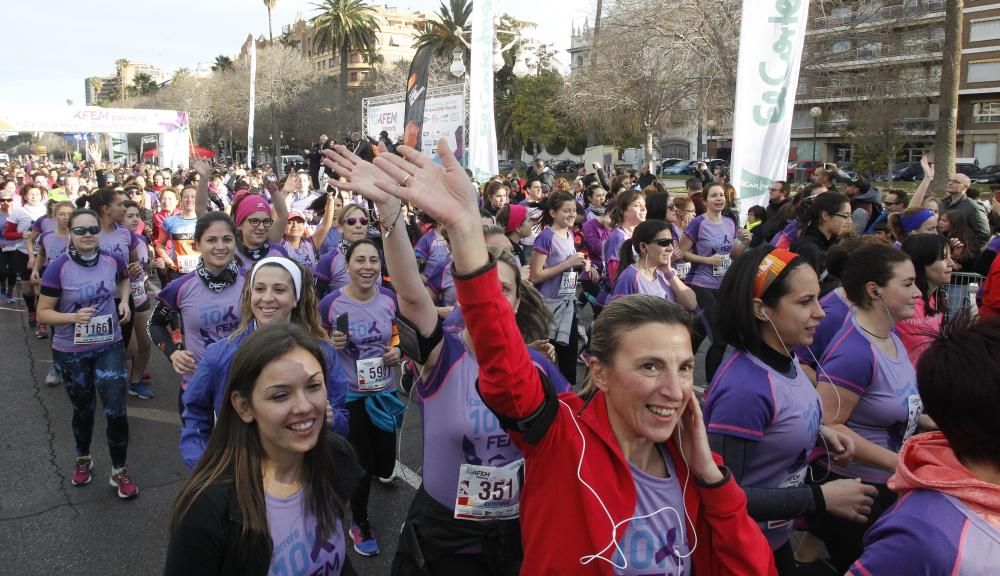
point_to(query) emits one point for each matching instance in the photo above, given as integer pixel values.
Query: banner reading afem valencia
(771, 39)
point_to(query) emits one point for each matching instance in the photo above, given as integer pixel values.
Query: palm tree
(121, 64)
(222, 63)
(345, 26)
(443, 35)
(96, 84)
(270, 4)
(144, 84)
(947, 125)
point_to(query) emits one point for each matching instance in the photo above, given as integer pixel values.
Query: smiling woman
(271, 465)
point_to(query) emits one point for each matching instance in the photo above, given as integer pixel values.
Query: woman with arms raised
(621, 479)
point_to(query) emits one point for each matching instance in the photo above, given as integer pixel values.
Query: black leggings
(566, 353)
(709, 327)
(376, 451)
(8, 271)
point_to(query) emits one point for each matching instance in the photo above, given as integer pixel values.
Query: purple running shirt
(557, 249)
(85, 287)
(293, 535)
(54, 245)
(370, 327)
(632, 281)
(119, 242)
(837, 309)
(709, 239)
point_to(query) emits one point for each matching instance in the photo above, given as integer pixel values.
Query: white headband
(288, 265)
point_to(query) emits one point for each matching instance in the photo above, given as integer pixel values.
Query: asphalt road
(48, 526)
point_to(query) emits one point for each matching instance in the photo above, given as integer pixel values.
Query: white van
(4, 158)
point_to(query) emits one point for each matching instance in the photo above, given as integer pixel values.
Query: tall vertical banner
(416, 96)
(771, 39)
(482, 128)
(253, 100)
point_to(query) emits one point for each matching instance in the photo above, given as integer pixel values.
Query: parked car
(566, 166)
(679, 169)
(848, 169)
(988, 175)
(967, 169)
(666, 163)
(508, 165)
(809, 166)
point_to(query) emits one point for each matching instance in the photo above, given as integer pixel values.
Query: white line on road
(11, 309)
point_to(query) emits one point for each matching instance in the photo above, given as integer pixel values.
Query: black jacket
(210, 542)
(812, 245)
(773, 224)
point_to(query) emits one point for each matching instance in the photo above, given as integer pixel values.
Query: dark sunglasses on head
(352, 221)
(663, 242)
(83, 230)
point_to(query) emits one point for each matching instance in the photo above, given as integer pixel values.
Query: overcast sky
(52, 45)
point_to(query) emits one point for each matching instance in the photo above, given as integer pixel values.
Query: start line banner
(771, 40)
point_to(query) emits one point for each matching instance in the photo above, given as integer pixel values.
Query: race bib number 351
(488, 493)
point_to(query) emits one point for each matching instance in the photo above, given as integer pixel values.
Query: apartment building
(399, 30)
(979, 91)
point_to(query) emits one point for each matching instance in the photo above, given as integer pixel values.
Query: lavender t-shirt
(613, 245)
(709, 239)
(749, 400)
(139, 295)
(84, 287)
(293, 534)
(207, 316)
(305, 254)
(889, 405)
(557, 249)
(119, 242)
(370, 328)
(657, 544)
(54, 245)
(458, 427)
(632, 281)
(433, 249)
(928, 532)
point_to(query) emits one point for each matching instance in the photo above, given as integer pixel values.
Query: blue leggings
(87, 374)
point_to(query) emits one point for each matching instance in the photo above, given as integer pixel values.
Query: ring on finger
(408, 176)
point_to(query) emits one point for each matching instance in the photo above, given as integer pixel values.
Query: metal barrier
(960, 294)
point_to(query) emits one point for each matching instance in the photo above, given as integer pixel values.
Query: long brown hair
(533, 317)
(305, 313)
(234, 454)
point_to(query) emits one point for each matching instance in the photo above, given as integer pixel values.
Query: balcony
(907, 125)
(907, 11)
(841, 91)
(911, 48)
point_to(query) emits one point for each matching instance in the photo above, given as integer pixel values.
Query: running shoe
(364, 539)
(389, 479)
(11, 299)
(125, 486)
(53, 378)
(142, 390)
(41, 331)
(81, 471)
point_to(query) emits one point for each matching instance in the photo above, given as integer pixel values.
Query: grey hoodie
(860, 216)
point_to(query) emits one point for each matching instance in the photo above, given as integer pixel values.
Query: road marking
(11, 309)
(155, 414)
(408, 476)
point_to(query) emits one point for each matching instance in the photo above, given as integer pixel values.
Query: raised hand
(203, 168)
(361, 175)
(443, 191)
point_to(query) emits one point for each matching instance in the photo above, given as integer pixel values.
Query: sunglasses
(663, 242)
(135, 192)
(6, 200)
(258, 222)
(352, 221)
(84, 230)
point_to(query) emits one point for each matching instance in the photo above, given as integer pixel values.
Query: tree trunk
(342, 90)
(947, 125)
(648, 158)
(592, 136)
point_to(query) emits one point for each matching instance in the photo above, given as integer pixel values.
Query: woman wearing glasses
(78, 297)
(651, 273)
(821, 221)
(138, 195)
(8, 261)
(331, 271)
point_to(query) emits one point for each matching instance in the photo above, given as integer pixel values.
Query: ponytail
(644, 233)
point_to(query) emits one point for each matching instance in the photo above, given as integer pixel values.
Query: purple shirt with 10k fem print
(749, 400)
(837, 309)
(632, 281)
(118, 242)
(369, 329)
(927, 532)
(557, 249)
(142, 249)
(293, 534)
(54, 245)
(888, 405)
(207, 316)
(79, 287)
(657, 544)
(451, 409)
(709, 239)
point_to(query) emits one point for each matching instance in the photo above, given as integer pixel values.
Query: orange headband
(770, 268)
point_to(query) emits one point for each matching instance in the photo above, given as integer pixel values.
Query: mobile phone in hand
(342, 324)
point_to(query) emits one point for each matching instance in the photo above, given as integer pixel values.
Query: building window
(986, 112)
(355, 58)
(985, 29)
(330, 63)
(984, 71)
(840, 46)
(353, 77)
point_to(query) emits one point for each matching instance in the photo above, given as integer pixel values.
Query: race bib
(567, 285)
(721, 269)
(100, 329)
(139, 291)
(682, 269)
(187, 263)
(914, 408)
(487, 493)
(373, 374)
(793, 480)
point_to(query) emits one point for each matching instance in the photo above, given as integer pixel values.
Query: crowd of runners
(848, 423)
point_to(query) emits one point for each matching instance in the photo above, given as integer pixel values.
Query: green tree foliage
(345, 26)
(443, 34)
(222, 63)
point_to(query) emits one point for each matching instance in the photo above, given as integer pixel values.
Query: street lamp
(520, 69)
(457, 66)
(815, 112)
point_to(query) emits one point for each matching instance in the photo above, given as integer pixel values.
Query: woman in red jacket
(619, 480)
